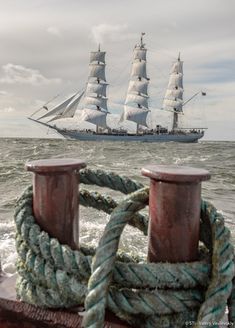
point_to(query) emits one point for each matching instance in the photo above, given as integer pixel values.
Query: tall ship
(92, 105)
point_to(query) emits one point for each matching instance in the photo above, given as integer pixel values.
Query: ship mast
(136, 104)
(95, 101)
(173, 100)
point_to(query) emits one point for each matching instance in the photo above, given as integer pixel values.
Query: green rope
(107, 204)
(110, 180)
(219, 287)
(144, 294)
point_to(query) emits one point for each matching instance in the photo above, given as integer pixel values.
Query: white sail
(136, 103)
(94, 116)
(137, 99)
(59, 109)
(97, 88)
(69, 110)
(173, 99)
(177, 67)
(98, 56)
(174, 104)
(174, 93)
(138, 87)
(175, 80)
(139, 69)
(96, 101)
(72, 106)
(97, 71)
(135, 115)
(139, 53)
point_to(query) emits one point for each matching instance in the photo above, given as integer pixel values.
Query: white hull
(92, 136)
(83, 136)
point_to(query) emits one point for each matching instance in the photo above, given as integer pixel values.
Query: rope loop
(144, 294)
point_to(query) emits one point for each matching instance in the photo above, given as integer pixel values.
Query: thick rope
(218, 290)
(110, 180)
(53, 275)
(39, 254)
(107, 204)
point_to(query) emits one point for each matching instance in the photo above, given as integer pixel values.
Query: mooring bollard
(55, 197)
(174, 208)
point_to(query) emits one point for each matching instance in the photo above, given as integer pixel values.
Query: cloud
(54, 31)
(107, 32)
(4, 93)
(20, 74)
(7, 110)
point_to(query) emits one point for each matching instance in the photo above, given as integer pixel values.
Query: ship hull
(186, 138)
(92, 136)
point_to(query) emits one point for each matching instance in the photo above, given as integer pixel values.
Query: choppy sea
(125, 159)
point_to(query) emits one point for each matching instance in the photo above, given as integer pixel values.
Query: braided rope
(217, 293)
(111, 180)
(107, 204)
(53, 275)
(220, 286)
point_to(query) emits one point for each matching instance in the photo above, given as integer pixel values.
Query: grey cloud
(20, 74)
(111, 33)
(53, 30)
(7, 110)
(54, 38)
(4, 93)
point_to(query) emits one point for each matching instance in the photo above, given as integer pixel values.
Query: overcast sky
(45, 47)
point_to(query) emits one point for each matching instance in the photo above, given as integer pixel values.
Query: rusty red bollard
(55, 206)
(55, 197)
(174, 208)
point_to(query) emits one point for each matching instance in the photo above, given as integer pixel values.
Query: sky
(45, 47)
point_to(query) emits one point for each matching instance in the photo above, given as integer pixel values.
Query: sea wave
(123, 158)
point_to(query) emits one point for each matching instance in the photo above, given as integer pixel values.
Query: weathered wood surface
(15, 314)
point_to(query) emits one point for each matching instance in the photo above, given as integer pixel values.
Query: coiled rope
(144, 294)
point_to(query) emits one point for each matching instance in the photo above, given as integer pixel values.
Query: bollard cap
(175, 173)
(55, 165)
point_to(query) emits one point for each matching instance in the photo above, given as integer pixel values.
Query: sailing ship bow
(136, 104)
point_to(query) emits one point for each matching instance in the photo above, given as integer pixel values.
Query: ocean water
(123, 158)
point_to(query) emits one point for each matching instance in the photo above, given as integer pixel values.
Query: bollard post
(174, 210)
(55, 197)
